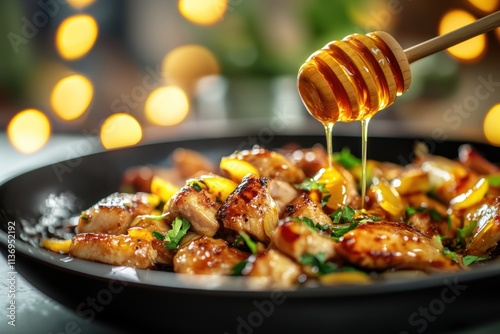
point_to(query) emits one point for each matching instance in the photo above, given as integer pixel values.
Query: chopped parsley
(239, 268)
(469, 259)
(346, 159)
(465, 232)
(310, 185)
(180, 226)
(245, 238)
(196, 186)
(494, 180)
(345, 216)
(465, 260)
(320, 265)
(339, 232)
(317, 262)
(309, 222)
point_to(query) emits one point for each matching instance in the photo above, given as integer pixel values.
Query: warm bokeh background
(128, 72)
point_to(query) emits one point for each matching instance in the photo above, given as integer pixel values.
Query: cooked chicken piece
(152, 223)
(283, 193)
(117, 250)
(198, 206)
(138, 178)
(251, 209)
(310, 160)
(189, 162)
(279, 270)
(388, 245)
(115, 213)
(145, 226)
(271, 164)
(207, 256)
(304, 207)
(474, 160)
(425, 222)
(296, 239)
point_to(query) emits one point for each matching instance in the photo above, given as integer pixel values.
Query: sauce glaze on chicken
(289, 217)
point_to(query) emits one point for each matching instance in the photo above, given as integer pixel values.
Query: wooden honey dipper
(354, 78)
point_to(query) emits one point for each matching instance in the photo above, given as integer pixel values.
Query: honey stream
(351, 80)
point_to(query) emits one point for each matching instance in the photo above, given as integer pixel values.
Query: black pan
(140, 300)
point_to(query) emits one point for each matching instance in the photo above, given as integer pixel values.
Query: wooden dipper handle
(452, 38)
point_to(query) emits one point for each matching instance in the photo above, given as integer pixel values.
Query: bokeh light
(167, 105)
(76, 36)
(120, 130)
(490, 125)
(203, 12)
(486, 6)
(71, 96)
(79, 4)
(29, 131)
(470, 50)
(185, 65)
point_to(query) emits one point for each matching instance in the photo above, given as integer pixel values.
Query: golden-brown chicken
(251, 209)
(207, 256)
(117, 250)
(304, 207)
(198, 206)
(283, 193)
(309, 159)
(271, 164)
(297, 239)
(391, 245)
(279, 270)
(115, 213)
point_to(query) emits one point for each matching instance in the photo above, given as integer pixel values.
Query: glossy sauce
(351, 80)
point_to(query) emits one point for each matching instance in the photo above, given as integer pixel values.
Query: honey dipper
(353, 78)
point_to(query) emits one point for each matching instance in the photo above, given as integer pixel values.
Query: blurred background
(120, 73)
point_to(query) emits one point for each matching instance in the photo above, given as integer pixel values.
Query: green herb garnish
(244, 237)
(311, 184)
(346, 159)
(465, 232)
(196, 186)
(309, 222)
(494, 180)
(180, 226)
(343, 215)
(239, 267)
(318, 263)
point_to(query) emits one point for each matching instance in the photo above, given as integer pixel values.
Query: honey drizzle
(344, 111)
(364, 149)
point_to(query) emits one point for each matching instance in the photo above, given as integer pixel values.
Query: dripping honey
(357, 98)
